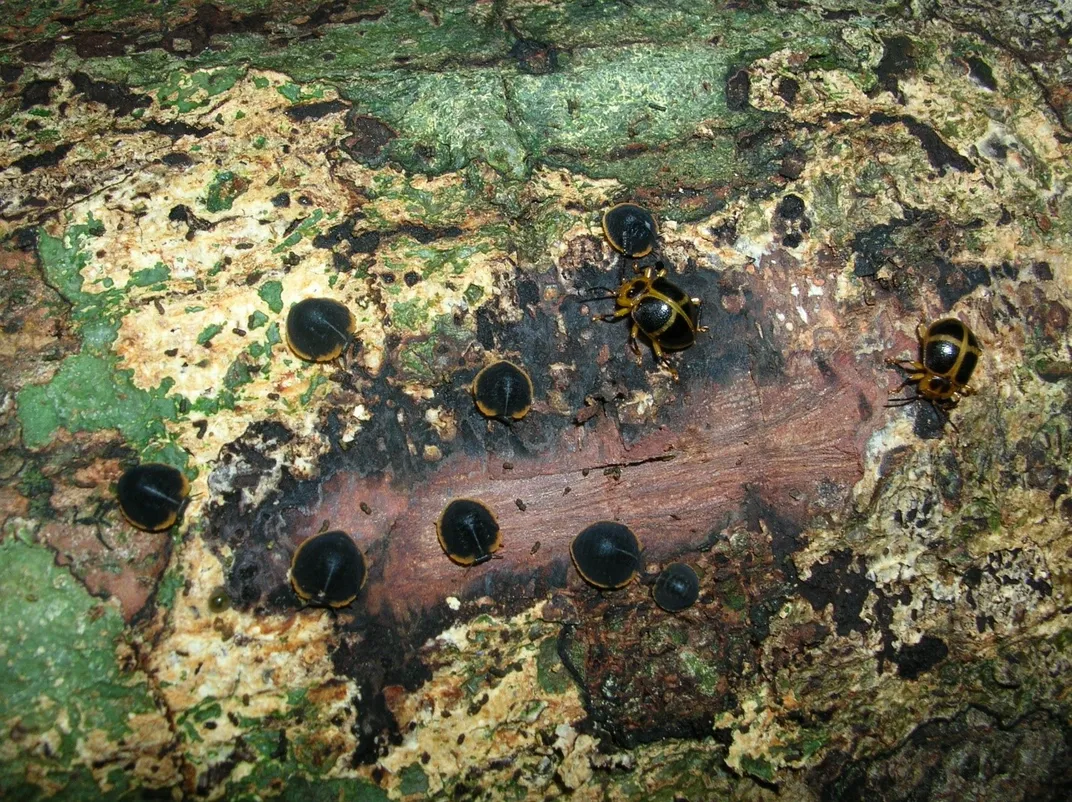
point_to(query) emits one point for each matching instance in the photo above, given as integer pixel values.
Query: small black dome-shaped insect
(318, 329)
(503, 390)
(949, 353)
(676, 587)
(328, 570)
(630, 230)
(606, 554)
(468, 532)
(151, 495)
(660, 310)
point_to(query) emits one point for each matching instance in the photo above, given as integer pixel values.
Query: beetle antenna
(608, 294)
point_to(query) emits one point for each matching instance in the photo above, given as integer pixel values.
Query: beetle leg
(668, 366)
(915, 370)
(616, 315)
(699, 314)
(633, 344)
(662, 359)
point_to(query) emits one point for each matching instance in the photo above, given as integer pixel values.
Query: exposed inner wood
(789, 443)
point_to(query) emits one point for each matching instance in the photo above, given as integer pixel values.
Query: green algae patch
(757, 767)
(445, 121)
(276, 763)
(258, 318)
(188, 91)
(59, 673)
(226, 187)
(207, 333)
(271, 292)
(705, 675)
(150, 275)
(268, 774)
(62, 260)
(400, 33)
(305, 228)
(88, 394)
(413, 780)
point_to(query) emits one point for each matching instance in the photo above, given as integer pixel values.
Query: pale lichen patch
(221, 673)
(475, 713)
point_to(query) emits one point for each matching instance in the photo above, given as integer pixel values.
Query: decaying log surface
(884, 609)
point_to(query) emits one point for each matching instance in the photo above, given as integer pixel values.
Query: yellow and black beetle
(949, 352)
(660, 310)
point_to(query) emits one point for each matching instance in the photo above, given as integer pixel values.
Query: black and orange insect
(949, 352)
(468, 532)
(318, 329)
(667, 317)
(606, 554)
(152, 495)
(503, 391)
(328, 570)
(630, 230)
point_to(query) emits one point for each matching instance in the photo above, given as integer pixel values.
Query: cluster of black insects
(329, 570)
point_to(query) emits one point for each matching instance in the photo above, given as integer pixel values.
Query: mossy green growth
(409, 315)
(758, 767)
(696, 772)
(291, 762)
(95, 314)
(453, 204)
(89, 394)
(36, 487)
(169, 586)
(402, 32)
(58, 665)
(428, 359)
(445, 120)
(705, 675)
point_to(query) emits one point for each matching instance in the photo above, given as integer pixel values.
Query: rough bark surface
(884, 608)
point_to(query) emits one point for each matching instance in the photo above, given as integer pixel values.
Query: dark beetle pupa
(152, 495)
(318, 329)
(606, 554)
(503, 390)
(328, 569)
(468, 532)
(676, 588)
